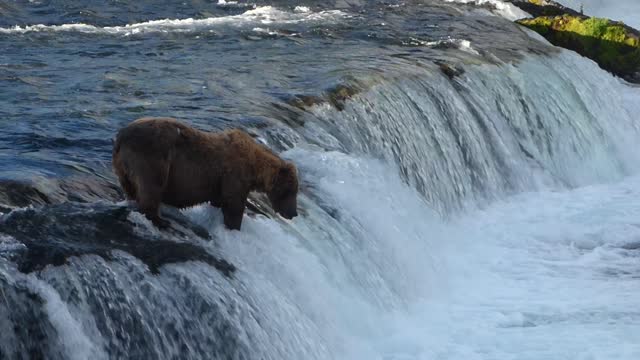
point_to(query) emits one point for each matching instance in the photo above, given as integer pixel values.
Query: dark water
(65, 93)
(462, 105)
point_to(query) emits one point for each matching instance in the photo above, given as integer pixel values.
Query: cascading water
(486, 215)
(495, 131)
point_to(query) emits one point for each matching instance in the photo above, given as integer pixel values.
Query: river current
(468, 191)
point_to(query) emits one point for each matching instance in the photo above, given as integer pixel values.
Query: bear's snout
(286, 206)
(288, 209)
(289, 214)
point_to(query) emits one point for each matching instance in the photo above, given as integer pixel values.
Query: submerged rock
(340, 93)
(304, 102)
(613, 45)
(54, 233)
(42, 191)
(335, 96)
(450, 70)
(15, 193)
(86, 271)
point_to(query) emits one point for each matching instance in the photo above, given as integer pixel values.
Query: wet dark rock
(289, 115)
(14, 193)
(177, 218)
(304, 102)
(450, 70)
(52, 234)
(89, 189)
(43, 191)
(336, 96)
(340, 93)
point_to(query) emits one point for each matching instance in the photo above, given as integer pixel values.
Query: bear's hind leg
(121, 170)
(127, 186)
(151, 187)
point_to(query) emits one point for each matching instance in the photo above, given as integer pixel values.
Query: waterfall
(418, 199)
(544, 122)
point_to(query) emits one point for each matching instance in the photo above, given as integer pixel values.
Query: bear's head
(284, 191)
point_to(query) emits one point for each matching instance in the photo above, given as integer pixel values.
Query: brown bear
(161, 160)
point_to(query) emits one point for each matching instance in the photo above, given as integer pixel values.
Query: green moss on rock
(613, 45)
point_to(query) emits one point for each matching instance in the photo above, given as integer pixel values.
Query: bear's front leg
(151, 210)
(233, 216)
(154, 217)
(151, 185)
(233, 198)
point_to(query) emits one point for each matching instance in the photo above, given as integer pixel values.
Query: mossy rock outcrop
(613, 45)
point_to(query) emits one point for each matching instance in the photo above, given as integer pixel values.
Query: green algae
(613, 45)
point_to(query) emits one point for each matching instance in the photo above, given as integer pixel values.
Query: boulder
(613, 45)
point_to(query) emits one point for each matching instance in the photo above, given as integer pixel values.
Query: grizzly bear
(161, 160)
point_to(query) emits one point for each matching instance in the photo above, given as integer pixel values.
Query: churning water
(467, 191)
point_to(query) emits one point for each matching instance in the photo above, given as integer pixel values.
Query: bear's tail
(121, 171)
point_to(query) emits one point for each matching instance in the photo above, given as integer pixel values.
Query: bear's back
(152, 135)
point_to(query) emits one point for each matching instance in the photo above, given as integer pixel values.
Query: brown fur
(160, 160)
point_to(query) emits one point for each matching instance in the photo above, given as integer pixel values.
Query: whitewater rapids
(467, 190)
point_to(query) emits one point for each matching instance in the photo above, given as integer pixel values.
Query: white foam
(376, 274)
(264, 15)
(460, 44)
(301, 9)
(10, 244)
(143, 226)
(271, 32)
(264, 31)
(351, 264)
(224, 3)
(506, 10)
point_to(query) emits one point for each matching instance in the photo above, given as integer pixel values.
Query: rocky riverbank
(614, 45)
